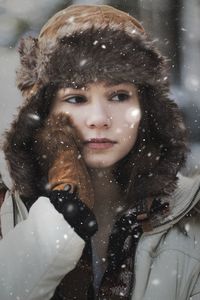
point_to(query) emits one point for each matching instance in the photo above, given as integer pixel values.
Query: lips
(99, 140)
(99, 143)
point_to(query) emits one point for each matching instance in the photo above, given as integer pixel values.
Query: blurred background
(174, 24)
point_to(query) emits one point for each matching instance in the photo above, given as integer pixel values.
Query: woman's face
(107, 118)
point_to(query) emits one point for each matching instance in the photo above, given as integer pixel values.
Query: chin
(99, 164)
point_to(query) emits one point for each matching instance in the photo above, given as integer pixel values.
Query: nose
(98, 117)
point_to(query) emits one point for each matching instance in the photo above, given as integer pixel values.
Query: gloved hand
(75, 212)
(58, 147)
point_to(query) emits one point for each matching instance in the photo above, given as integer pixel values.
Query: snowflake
(187, 227)
(156, 281)
(65, 236)
(71, 19)
(83, 62)
(34, 117)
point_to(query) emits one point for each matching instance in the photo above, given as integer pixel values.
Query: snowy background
(174, 24)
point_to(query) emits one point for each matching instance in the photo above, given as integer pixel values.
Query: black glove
(75, 212)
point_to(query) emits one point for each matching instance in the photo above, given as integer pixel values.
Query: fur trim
(103, 55)
(27, 73)
(76, 18)
(161, 147)
(19, 145)
(94, 55)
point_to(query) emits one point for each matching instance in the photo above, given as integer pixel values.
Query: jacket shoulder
(2, 197)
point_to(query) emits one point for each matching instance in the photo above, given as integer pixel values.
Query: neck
(108, 202)
(108, 195)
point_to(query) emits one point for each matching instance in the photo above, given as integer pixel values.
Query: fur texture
(105, 54)
(19, 145)
(27, 73)
(77, 18)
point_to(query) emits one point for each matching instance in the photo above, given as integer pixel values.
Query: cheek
(128, 132)
(129, 137)
(127, 126)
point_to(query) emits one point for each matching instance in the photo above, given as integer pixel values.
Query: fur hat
(83, 44)
(88, 42)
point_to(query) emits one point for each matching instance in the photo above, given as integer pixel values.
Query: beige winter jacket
(42, 248)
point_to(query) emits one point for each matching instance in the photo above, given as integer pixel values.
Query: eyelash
(125, 97)
(75, 97)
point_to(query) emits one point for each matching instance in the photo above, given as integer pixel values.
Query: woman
(100, 211)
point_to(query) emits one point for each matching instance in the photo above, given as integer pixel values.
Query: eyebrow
(82, 84)
(85, 86)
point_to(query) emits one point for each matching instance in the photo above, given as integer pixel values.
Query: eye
(75, 99)
(120, 97)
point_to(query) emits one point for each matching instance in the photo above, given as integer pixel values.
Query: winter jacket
(42, 248)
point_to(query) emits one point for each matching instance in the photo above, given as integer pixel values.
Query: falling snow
(91, 224)
(155, 281)
(71, 19)
(34, 117)
(187, 227)
(83, 62)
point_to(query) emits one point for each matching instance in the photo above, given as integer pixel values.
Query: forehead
(83, 82)
(98, 86)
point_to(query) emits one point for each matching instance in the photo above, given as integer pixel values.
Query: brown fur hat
(83, 44)
(72, 42)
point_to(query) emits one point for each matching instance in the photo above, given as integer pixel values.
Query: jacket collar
(183, 200)
(5, 176)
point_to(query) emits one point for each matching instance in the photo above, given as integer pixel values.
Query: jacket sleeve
(37, 254)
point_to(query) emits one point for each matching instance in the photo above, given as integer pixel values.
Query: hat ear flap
(27, 71)
(167, 137)
(161, 148)
(19, 142)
